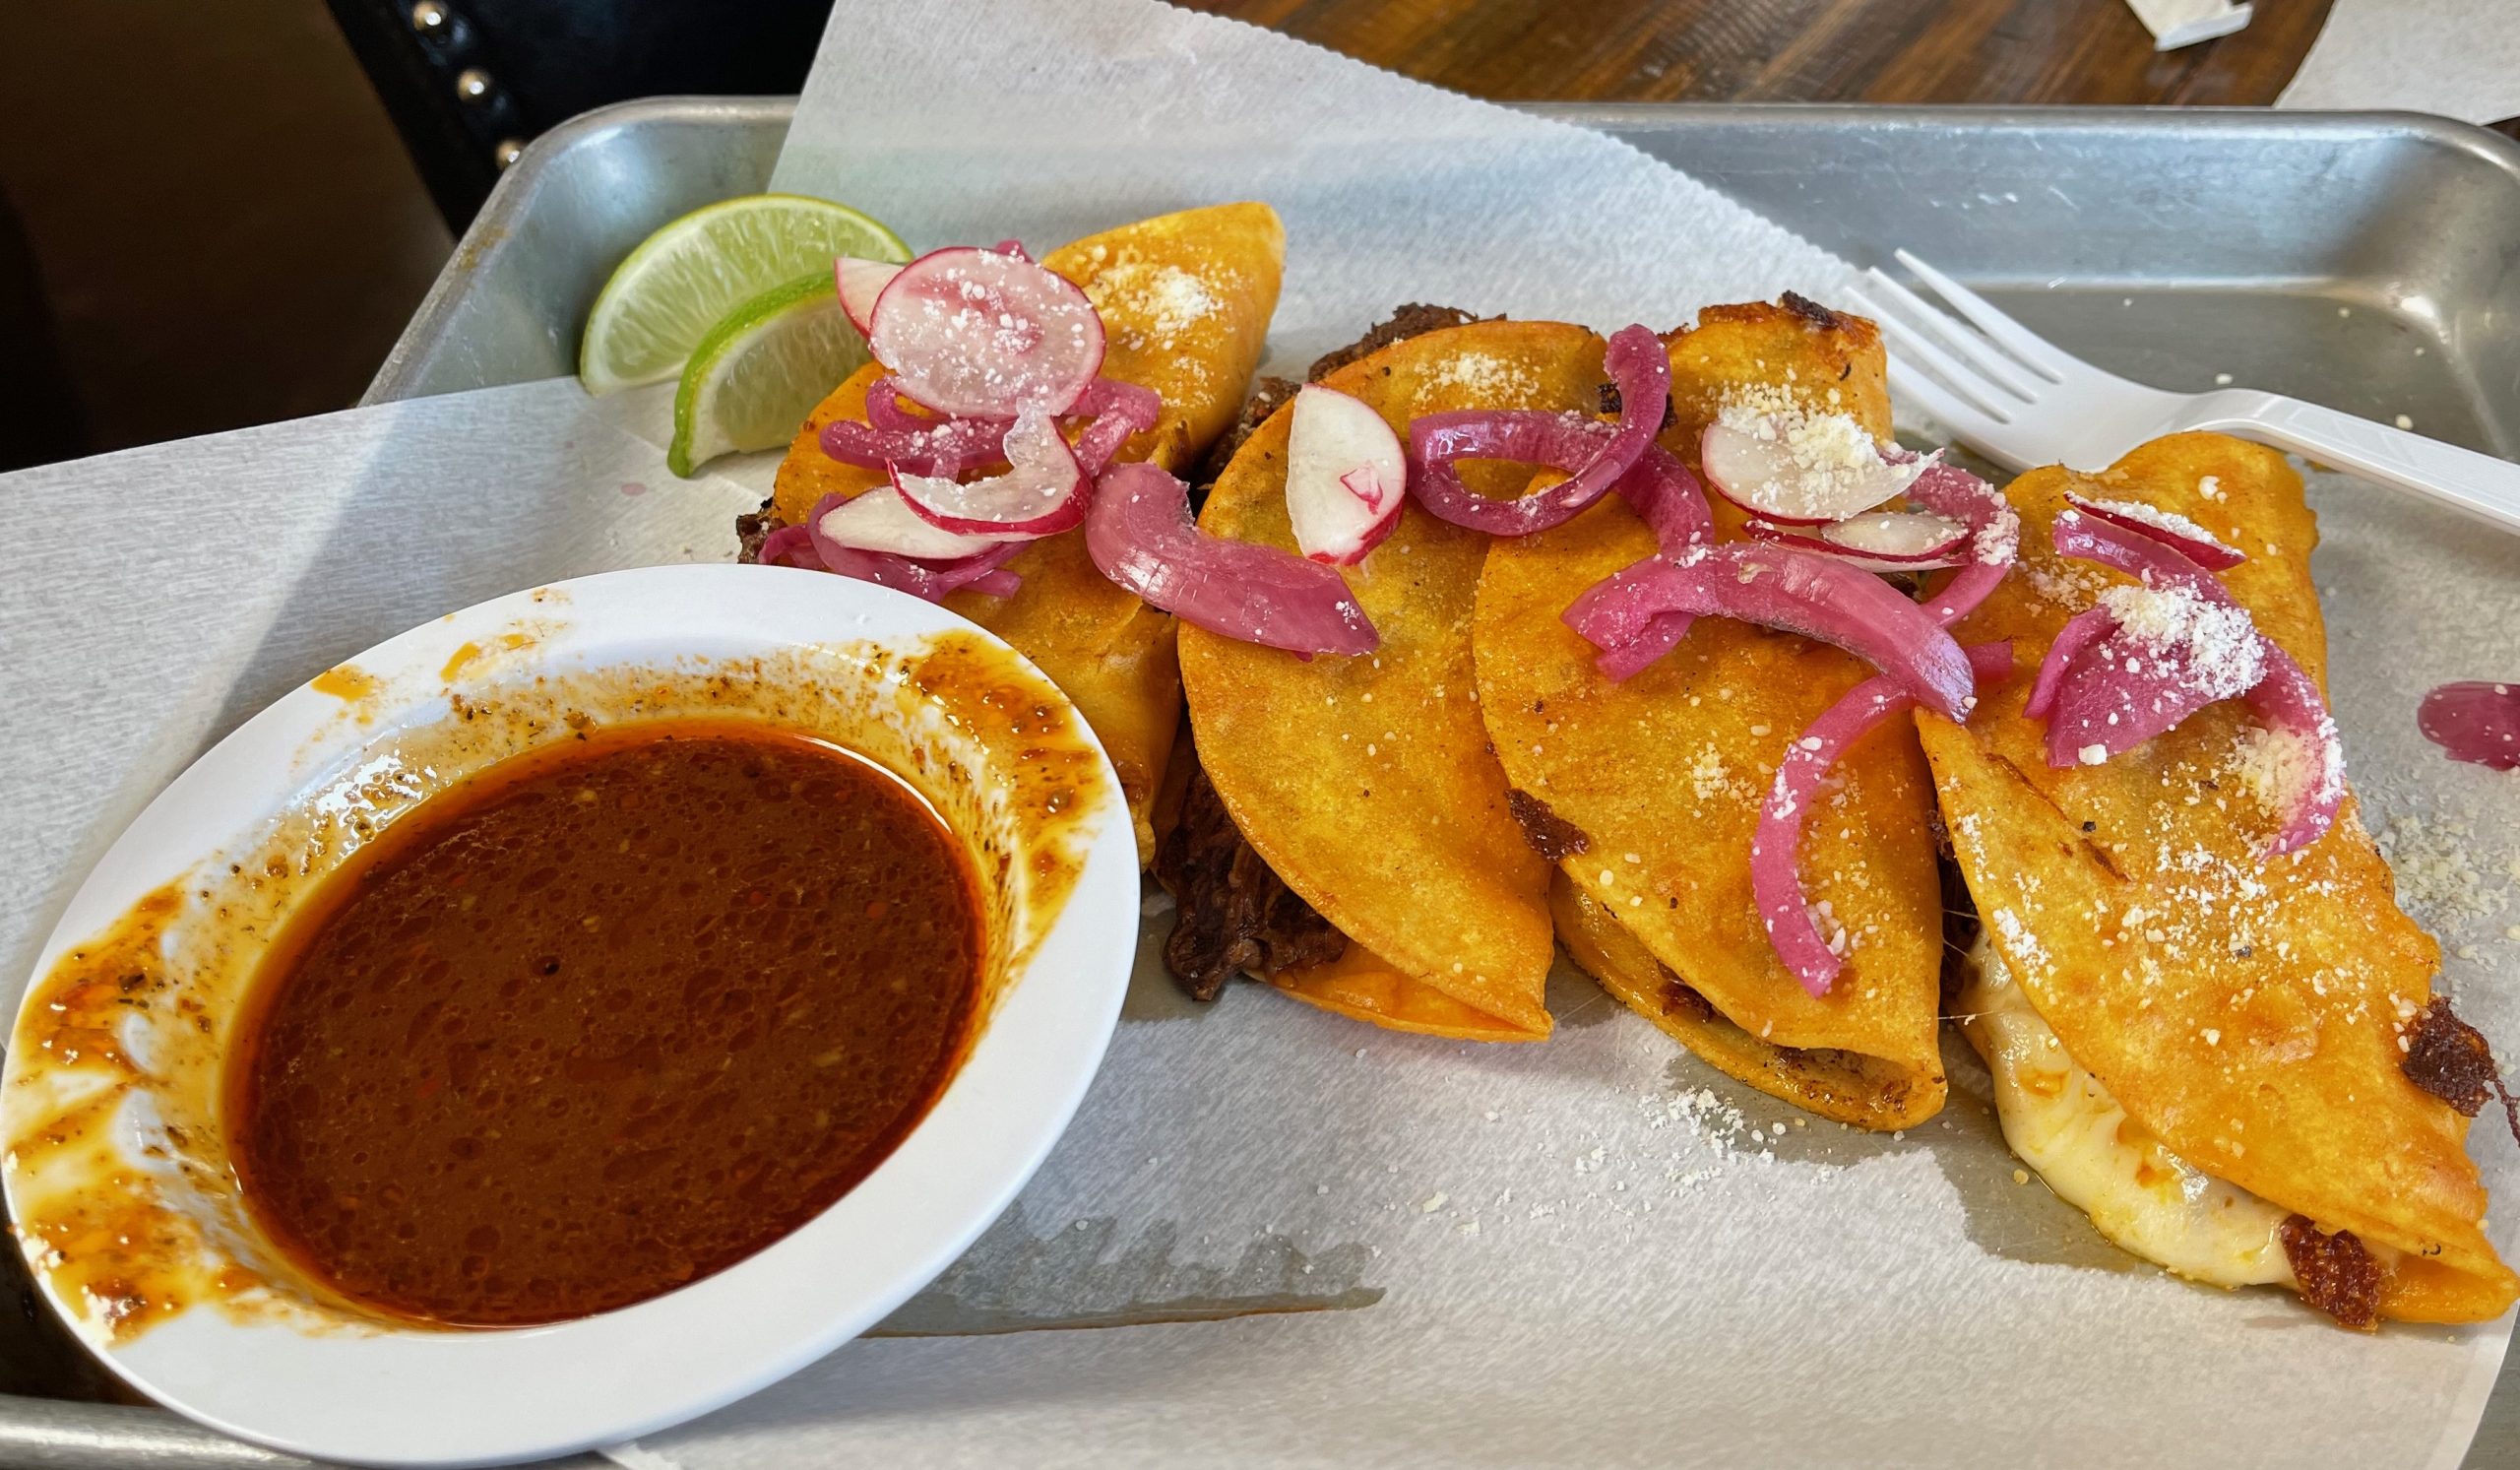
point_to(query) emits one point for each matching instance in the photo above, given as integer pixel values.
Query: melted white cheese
(2063, 1123)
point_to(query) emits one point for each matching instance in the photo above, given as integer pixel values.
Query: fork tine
(1965, 422)
(1992, 401)
(1991, 363)
(2027, 346)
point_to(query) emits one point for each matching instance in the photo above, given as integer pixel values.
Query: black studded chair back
(470, 82)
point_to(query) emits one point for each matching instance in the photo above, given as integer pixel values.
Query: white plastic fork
(2020, 400)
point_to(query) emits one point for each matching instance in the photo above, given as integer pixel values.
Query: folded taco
(2209, 1023)
(1347, 836)
(1648, 792)
(1184, 301)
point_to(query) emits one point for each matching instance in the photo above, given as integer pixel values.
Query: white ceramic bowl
(375, 1393)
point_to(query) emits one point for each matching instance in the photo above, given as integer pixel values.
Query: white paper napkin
(2460, 58)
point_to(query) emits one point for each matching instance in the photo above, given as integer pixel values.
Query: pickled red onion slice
(2080, 632)
(2122, 691)
(892, 411)
(1346, 476)
(1778, 586)
(880, 520)
(2475, 722)
(1140, 535)
(981, 334)
(859, 283)
(1672, 505)
(945, 449)
(2168, 527)
(2299, 766)
(2181, 611)
(2152, 562)
(1994, 536)
(1592, 454)
(1042, 491)
(1120, 412)
(1775, 846)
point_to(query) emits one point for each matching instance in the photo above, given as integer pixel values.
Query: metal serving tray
(2367, 262)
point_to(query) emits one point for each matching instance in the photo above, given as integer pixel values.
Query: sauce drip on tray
(603, 1020)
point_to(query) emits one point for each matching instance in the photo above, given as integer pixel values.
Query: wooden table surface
(2091, 51)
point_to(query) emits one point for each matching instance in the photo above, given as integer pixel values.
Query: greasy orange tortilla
(1186, 302)
(1664, 775)
(2249, 1015)
(1367, 783)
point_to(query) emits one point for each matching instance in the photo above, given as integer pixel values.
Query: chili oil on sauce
(602, 1020)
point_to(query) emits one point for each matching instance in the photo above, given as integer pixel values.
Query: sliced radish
(932, 580)
(1041, 492)
(1346, 476)
(1879, 540)
(980, 334)
(2168, 527)
(881, 521)
(1799, 469)
(859, 283)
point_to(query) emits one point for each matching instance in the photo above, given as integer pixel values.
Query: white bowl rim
(430, 1397)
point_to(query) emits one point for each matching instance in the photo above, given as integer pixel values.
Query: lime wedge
(683, 280)
(757, 375)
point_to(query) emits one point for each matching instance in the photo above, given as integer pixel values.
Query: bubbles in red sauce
(603, 1020)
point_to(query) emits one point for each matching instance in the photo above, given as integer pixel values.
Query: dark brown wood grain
(1799, 50)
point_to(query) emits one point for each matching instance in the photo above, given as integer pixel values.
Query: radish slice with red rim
(1140, 535)
(933, 581)
(879, 520)
(1800, 468)
(1592, 454)
(1042, 493)
(859, 283)
(976, 333)
(1346, 476)
(2473, 721)
(1775, 846)
(1877, 540)
(1778, 586)
(2168, 527)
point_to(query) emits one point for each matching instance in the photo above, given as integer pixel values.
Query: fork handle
(2479, 485)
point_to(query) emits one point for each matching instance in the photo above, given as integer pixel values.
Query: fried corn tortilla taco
(1649, 790)
(1184, 301)
(1348, 838)
(2229, 1056)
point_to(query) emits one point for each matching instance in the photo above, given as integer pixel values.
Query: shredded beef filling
(1233, 914)
(1552, 836)
(1415, 319)
(2450, 1059)
(2336, 1275)
(1811, 311)
(752, 528)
